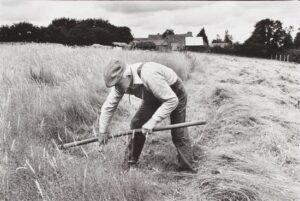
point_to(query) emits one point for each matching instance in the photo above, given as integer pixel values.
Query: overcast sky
(151, 17)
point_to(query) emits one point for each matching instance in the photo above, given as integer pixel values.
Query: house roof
(140, 39)
(193, 41)
(174, 37)
(154, 37)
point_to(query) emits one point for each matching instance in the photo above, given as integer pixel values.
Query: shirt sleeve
(158, 85)
(108, 109)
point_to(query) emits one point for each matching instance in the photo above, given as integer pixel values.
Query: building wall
(163, 48)
(202, 48)
(176, 46)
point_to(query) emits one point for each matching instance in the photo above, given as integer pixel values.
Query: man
(163, 95)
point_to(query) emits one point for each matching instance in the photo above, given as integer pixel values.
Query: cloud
(43, 12)
(209, 14)
(148, 17)
(9, 3)
(130, 7)
(27, 11)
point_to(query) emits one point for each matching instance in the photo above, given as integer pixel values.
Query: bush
(223, 50)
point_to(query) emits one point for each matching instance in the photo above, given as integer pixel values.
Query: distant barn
(195, 44)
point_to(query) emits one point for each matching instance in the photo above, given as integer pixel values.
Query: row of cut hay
(54, 92)
(244, 152)
(233, 175)
(241, 148)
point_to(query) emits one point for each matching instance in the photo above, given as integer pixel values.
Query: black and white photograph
(149, 100)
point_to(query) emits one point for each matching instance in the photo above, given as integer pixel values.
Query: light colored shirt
(157, 79)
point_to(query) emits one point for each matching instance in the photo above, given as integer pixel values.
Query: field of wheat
(50, 94)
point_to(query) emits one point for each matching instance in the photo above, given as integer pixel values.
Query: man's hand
(148, 126)
(102, 139)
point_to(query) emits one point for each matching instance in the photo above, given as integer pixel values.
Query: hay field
(51, 94)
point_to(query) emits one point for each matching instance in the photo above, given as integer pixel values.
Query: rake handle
(129, 132)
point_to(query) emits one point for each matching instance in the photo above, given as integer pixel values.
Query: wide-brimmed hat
(113, 72)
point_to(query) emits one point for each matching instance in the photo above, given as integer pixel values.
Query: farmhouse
(176, 42)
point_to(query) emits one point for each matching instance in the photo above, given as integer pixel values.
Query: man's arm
(108, 109)
(161, 90)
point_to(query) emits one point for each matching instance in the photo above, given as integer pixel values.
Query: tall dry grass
(52, 94)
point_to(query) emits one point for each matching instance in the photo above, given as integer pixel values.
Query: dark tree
(203, 35)
(64, 22)
(268, 38)
(19, 32)
(57, 34)
(102, 36)
(168, 32)
(288, 39)
(217, 40)
(227, 37)
(123, 34)
(68, 31)
(81, 34)
(5, 33)
(297, 40)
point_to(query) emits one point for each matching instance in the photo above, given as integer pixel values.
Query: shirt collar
(133, 69)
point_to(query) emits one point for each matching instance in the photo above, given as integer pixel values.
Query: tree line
(268, 40)
(68, 32)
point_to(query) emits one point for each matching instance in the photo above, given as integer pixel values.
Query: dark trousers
(180, 136)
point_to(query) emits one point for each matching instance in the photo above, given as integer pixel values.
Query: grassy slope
(249, 149)
(252, 141)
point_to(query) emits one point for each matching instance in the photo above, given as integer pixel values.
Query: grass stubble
(51, 94)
